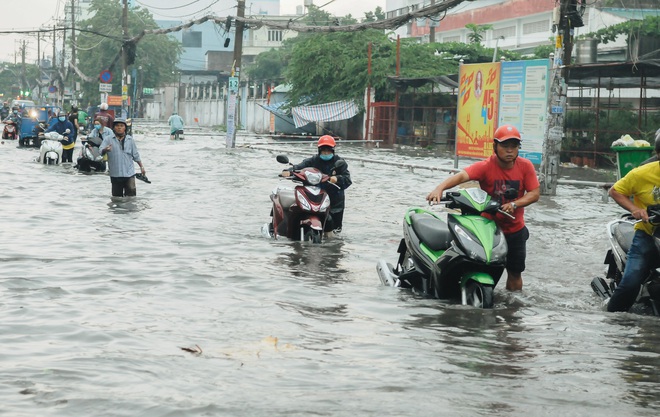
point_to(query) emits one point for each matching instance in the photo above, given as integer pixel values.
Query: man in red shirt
(504, 170)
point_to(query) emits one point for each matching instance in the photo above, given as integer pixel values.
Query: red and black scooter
(300, 213)
(10, 131)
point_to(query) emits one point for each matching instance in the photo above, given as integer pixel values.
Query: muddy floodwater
(98, 296)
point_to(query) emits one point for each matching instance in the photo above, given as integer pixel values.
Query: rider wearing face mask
(325, 161)
(64, 127)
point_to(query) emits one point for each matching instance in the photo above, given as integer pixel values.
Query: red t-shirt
(495, 180)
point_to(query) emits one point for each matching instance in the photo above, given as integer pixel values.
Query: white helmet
(104, 106)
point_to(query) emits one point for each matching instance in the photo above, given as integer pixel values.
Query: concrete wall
(207, 106)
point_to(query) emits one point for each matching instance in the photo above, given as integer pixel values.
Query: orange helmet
(506, 132)
(326, 140)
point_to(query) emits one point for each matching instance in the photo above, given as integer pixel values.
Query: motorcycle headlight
(472, 247)
(303, 201)
(500, 247)
(313, 177)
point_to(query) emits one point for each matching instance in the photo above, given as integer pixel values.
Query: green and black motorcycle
(460, 259)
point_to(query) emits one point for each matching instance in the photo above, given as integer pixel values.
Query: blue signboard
(524, 88)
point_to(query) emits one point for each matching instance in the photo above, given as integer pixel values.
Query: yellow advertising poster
(478, 102)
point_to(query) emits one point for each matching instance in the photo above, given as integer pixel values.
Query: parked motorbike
(50, 151)
(620, 234)
(300, 213)
(90, 158)
(10, 131)
(459, 259)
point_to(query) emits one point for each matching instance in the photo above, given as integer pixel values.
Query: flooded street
(98, 296)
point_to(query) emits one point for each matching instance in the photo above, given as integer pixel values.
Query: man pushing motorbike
(643, 185)
(498, 175)
(325, 161)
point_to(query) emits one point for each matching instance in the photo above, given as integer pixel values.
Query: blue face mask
(326, 157)
(97, 127)
(61, 118)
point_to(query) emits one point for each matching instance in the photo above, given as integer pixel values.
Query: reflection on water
(98, 295)
(319, 262)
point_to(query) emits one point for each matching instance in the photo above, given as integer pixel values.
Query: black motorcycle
(620, 233)
(90, 158)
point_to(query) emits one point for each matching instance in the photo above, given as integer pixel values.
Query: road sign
(105, 88)
(52, 89)
(105, 76)
(233, 84)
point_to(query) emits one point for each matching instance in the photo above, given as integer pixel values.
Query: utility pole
(554, 128)
(124, 60)
(432, 27)
(235, 79)
(24, 87)
(73, 32)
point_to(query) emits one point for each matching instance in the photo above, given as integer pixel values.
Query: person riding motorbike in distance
(325, 161)
(176, 123)
(65, 128)
(501, 172)
(107, 119)
(643, 185)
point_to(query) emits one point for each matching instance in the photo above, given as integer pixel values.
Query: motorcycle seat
(623, 233)
(431, 231)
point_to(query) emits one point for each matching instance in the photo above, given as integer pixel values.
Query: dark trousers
(123, 187)
(67, 155)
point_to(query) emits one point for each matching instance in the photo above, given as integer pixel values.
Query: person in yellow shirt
(643, 185)
(64, 127)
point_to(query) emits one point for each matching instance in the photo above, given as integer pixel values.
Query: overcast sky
(32, 14)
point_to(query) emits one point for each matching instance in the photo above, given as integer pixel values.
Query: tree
(374, 16)
(156, 54)
(12, 80)
(477, 32)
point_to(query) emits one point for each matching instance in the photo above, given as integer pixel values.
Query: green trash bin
(629, 157)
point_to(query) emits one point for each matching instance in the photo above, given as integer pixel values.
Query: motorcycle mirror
(340, 164)
(282, 159)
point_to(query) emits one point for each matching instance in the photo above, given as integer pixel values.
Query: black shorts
(517, 244)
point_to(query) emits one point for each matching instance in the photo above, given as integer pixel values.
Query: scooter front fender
(312, 221)
(480, 277)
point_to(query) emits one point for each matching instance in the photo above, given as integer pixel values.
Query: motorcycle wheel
(314, 236)
(479, 295)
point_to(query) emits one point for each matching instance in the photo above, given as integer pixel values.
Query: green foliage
(544, 51)
(330, 67)
(268, 66)
(156, 54)
(376, 15)
(586, 132)
(650, 26)
(472, 53)
(12, 80)
(477, 32)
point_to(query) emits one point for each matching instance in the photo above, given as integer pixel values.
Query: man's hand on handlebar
(285, 173)
(435, 196)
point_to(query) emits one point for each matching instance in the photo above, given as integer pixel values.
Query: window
(274, 36)
(536, 27)
(451, 39)
(506, 32)
(192, 39)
